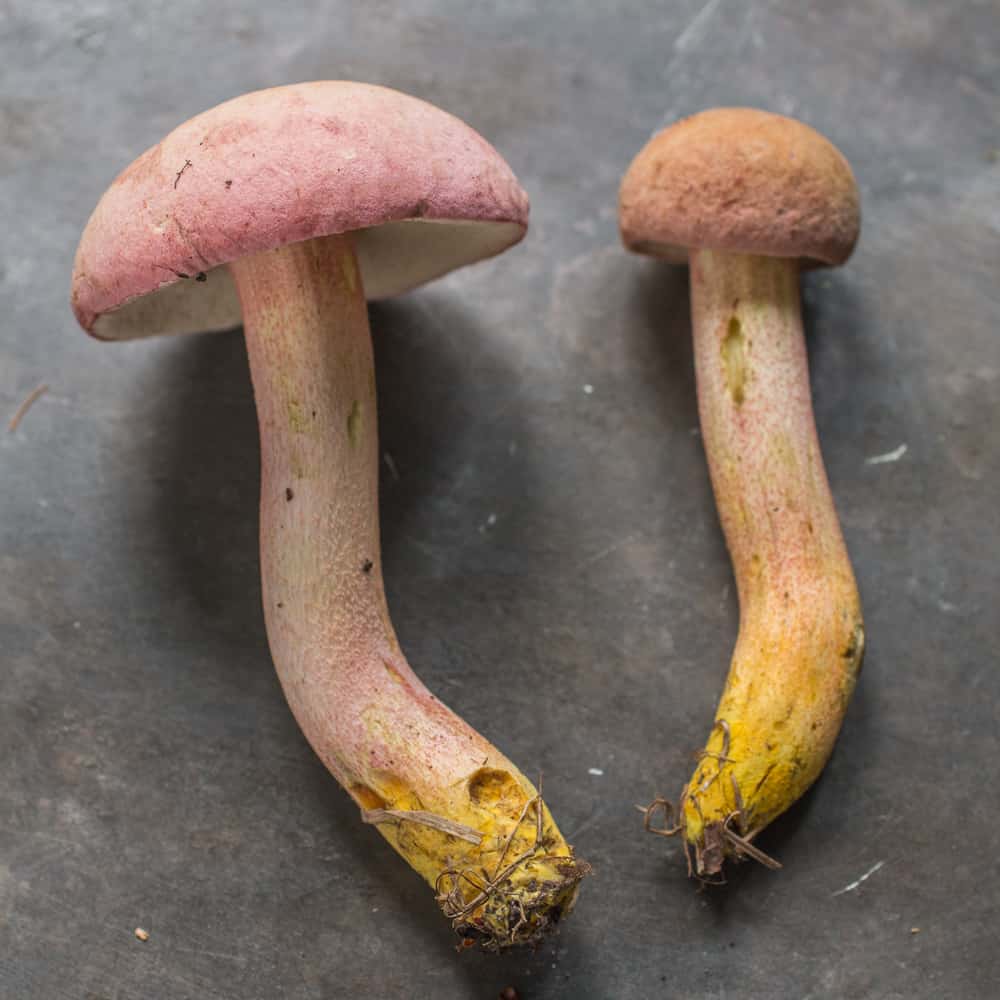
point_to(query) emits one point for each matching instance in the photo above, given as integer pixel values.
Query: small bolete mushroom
(285, 208)
(747, 198)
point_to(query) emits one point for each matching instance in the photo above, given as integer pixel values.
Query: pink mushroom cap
(423, 193)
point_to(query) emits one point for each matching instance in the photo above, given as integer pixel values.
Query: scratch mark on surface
(29, 401)
(592, 819)
(889, 456)
(853, 885)
(693, 29)
(390, 464)
(606, 551)
(225, 956)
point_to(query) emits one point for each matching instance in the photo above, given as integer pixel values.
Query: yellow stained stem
(489, 847)
(459, 812)
(801, 636)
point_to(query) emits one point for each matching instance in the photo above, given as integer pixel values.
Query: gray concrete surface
(553, 559)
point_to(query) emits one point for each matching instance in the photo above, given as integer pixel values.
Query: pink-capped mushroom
(284, 210)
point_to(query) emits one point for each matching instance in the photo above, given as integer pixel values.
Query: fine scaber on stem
(747, 198)
(292, 207)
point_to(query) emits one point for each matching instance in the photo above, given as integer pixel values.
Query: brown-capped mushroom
(747, 198)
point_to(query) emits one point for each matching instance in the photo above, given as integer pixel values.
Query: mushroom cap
(743, 181)
(425, 193)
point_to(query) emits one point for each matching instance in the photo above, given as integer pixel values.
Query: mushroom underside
(393, 258)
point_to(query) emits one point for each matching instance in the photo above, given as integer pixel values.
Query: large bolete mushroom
(747, 198)
(285, 208)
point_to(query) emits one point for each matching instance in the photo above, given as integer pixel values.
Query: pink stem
(385, 737)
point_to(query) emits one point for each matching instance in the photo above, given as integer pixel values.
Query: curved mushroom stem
(447, 800)
(801, 636)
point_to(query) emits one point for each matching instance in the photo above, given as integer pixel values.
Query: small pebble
(142, 934)
(509, 993)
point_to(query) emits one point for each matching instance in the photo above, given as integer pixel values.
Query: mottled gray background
(553, 559)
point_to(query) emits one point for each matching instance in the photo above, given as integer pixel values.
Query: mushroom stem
(392, 745)
(801, 636)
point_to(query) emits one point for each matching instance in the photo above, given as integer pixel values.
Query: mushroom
(747, 198)
(285, 208)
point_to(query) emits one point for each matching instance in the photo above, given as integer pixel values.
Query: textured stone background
(553, 559)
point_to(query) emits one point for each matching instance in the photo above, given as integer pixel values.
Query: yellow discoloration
(350, 272)
(734, 360)
(288, 398)
(496, 802)
(297, 419)
(354, 424)
(450, 803)
(491, 787)
(777, 720)
(392, 672)
(532, 866)
(801, 638)
(366, 797)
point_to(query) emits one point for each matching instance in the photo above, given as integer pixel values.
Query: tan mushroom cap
(743, 181)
